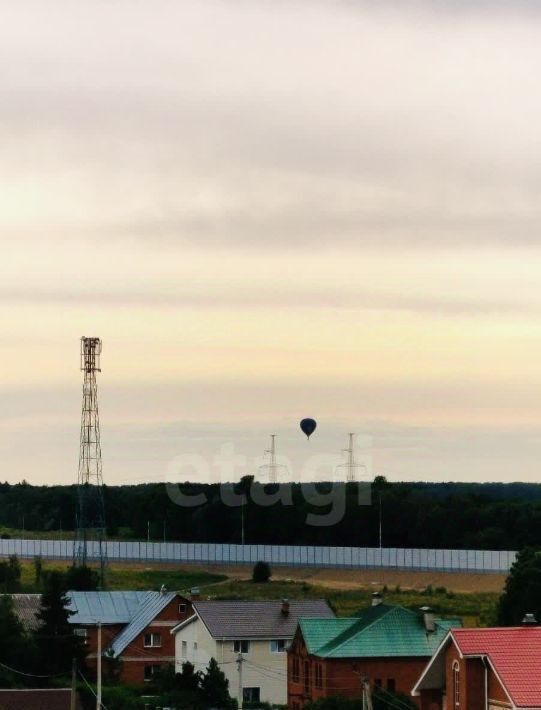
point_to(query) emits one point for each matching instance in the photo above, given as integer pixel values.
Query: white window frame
(184, 649)
(456, 684)
(153, 636)
(274, 645)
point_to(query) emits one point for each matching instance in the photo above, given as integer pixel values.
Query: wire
(91, 690)
(32, 675)
(394, 701)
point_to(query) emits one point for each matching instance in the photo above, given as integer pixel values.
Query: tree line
(445, 515)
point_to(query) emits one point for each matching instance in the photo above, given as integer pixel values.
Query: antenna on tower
(350, 465)
(272, 467)
(90, 535)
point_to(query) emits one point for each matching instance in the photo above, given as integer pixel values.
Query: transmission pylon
(352, 468)
(272, 468)
(91, 531)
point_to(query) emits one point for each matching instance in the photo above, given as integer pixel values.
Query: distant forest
(445, 515)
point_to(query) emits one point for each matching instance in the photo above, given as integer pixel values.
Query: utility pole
(73, 697)
(98, 694)
(242, 523)
(240, 661)
(380, 524)
(148, 530)
(367, 695)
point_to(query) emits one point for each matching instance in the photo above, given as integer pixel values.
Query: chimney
(428, 619)
(529, 620)
(285, 607)
(377, 599)
(195, 594)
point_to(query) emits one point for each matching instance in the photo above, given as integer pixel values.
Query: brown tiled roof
(53, 699)
(257, 619)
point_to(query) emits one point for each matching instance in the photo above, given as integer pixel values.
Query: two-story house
(134, 627)
(248, 639)
(484, 669)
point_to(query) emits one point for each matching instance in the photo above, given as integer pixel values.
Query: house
(134, 628)
(484, 669)
(249, 639)
(386, 645)
(36, 699)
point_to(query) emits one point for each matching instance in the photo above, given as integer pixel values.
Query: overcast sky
(270, 210)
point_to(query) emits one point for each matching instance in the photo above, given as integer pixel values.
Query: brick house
(484, 669)
(387, 645)
(135, 628)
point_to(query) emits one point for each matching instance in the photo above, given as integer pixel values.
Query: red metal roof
(515, 654)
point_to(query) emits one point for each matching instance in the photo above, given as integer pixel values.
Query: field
(471, 597)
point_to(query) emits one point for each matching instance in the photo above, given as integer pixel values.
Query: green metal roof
(378, 632)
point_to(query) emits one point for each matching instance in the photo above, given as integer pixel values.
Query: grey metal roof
(26, 608)
(105, 607)
(154, 603)
(257, 619)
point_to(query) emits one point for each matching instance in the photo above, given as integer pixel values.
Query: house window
(152, 640)
(184, 649)
(195, 645)
(295, 669)
(182, 609)
(318, 675)
(377, 682)
(82, 634)
(241, 646)
(279, 646)
(456, 684)
(250, 695)
(391, 685)
(306, 677)
(150, 672)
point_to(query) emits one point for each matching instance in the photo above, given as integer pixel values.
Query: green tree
(121, 697)
(82, 579)
(16, 648)
(261, 572)
(215, 688)
(180, 690)
(522, 592)
(55, 639)
(38, 571)
(10, 575)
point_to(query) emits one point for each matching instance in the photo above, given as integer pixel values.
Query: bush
(262, 572)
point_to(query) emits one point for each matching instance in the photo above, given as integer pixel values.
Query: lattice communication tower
(91, 531)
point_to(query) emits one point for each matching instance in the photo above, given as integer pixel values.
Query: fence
(277, 555)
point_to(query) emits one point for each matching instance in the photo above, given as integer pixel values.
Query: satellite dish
(308, 426)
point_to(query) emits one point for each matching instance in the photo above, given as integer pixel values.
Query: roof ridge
(348, 633)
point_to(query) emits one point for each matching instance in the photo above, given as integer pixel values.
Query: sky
(271, 210)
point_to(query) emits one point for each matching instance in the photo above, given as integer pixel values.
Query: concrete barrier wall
(284, 555)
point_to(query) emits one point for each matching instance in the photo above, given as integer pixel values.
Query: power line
(32, 675)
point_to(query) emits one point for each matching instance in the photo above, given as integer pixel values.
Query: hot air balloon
(308, 426)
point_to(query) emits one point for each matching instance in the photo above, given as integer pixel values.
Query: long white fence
(285, 555)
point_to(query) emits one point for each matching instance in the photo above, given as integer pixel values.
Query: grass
(474, 608)
(122, 577)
